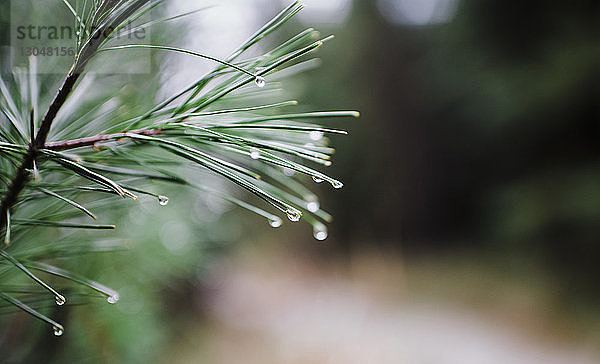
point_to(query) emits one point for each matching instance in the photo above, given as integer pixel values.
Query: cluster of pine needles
(63, 163)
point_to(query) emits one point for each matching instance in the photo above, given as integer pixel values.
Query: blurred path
(288, 310)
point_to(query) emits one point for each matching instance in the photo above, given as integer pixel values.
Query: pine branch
(212, 124)
(22, 175)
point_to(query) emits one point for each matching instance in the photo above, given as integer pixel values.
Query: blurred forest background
(472, 186)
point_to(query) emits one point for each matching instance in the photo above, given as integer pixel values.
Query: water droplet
(58, 331)
(320, 232)
(275, 222)
(254, 153)
(316, 135)
(294, 215)
(313, 206)
(317, 179)
(60, 300)
(337, 184)
(163, 200)
(113, 299)
(288, 172)
(260, 81)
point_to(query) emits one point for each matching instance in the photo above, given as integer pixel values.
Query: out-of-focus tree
(481, 131)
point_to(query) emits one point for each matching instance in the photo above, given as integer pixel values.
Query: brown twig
(88, 141)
